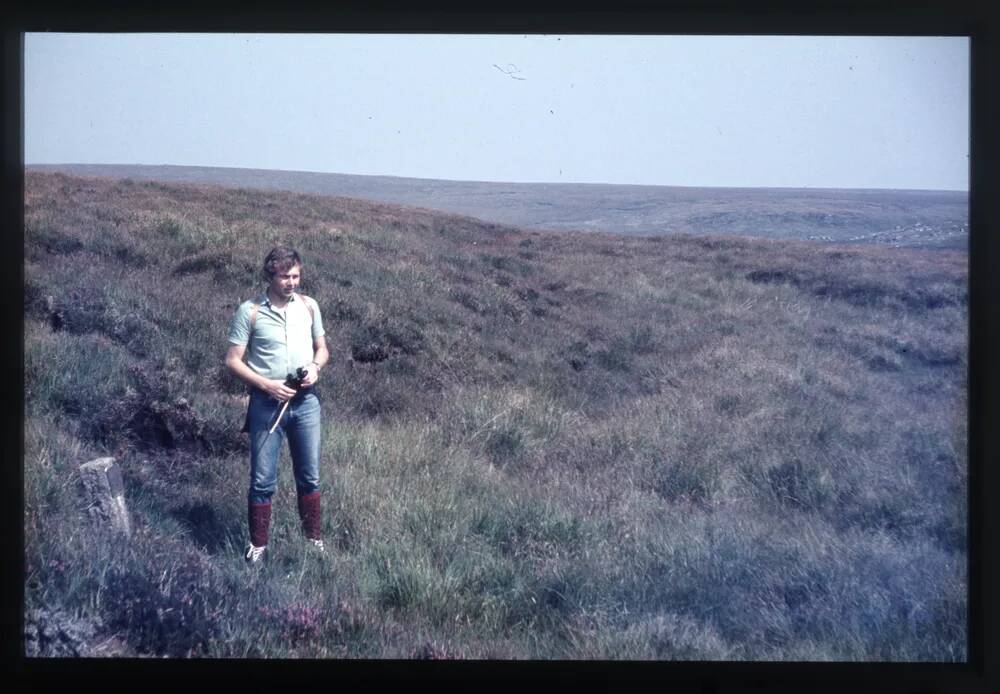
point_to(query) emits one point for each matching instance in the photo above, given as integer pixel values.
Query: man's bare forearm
(321, 356)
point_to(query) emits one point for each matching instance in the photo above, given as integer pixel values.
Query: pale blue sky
(768, 111)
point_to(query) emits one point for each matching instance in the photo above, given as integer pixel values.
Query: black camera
(294, 381)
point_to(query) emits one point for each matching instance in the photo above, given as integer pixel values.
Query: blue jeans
(300, 423)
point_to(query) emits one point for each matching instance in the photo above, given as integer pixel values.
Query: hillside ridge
(902, 218)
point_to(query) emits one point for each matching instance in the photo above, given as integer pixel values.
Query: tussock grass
(535, 445)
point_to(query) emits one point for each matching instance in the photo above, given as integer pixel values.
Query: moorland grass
(536, 445)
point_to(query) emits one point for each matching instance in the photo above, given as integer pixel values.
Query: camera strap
(253, 314)
(302, 297)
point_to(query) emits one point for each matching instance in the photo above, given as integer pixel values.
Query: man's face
(284, 284)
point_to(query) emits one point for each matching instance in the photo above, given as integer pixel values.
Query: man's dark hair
(280, 259)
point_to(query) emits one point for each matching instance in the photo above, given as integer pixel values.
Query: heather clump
(538, 444)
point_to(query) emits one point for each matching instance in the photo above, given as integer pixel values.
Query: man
(279, 332)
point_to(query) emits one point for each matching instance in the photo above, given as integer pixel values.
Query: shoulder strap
(312, 315)
(255, 306)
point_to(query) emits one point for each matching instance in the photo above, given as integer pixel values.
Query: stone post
(102, 482)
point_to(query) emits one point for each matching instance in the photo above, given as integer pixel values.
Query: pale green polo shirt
(282, 338)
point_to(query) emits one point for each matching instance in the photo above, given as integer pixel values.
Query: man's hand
(277, 390)
(312, 375)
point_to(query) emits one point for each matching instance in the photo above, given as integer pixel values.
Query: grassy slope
(573, 445)
(910, 218)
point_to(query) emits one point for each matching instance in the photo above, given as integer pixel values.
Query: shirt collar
(265, 300)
